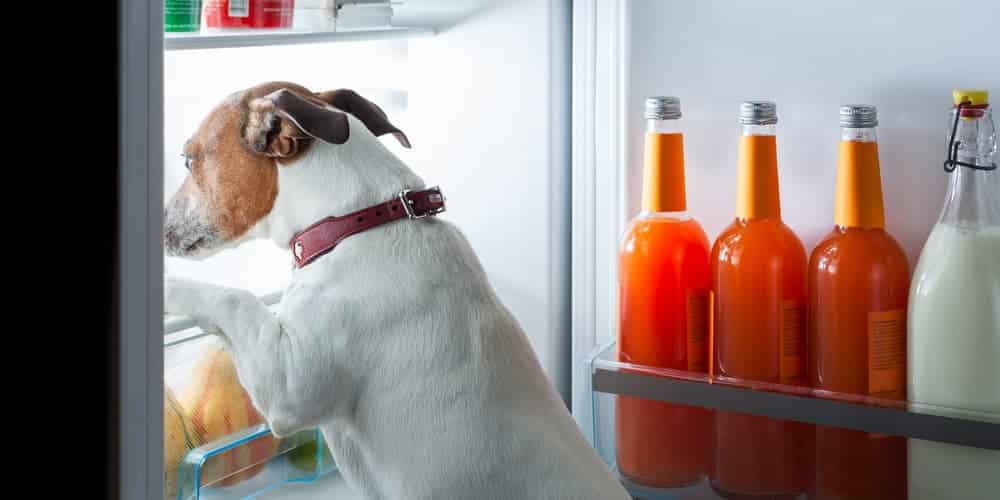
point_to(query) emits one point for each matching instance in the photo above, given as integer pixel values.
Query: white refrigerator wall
(904, 57)
(491, 97)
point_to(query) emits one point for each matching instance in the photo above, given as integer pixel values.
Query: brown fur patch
(284, 141)
(237, 185)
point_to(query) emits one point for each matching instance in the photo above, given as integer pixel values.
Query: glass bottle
(954, 310)
(759, 288)
(859, 282)
(663, 313)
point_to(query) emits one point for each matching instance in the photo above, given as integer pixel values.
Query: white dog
(393, 343)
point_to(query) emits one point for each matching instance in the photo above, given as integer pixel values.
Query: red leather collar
(326, 234)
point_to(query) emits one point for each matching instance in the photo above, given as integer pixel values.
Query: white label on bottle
(239, 8)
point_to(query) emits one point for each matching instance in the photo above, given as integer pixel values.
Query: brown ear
(368, 112)
(275, 123)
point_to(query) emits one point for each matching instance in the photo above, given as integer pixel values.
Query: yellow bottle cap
(975, 96)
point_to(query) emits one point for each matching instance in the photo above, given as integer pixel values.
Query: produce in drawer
(219, 406)
(304, 457)
(178, 439)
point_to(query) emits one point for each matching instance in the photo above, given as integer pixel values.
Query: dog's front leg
(236, 314)
(261, 348)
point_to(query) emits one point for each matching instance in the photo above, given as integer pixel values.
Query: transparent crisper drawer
(205, 473)
(675, 435)
(216, 445)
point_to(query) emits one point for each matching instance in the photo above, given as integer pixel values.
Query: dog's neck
(332, 180)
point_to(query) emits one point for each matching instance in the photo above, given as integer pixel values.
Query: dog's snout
(187, 232)
(170, 238)
(171, 234)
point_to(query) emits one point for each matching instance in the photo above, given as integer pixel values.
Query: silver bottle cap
(858, 116)
(663, 108)
(758, 113)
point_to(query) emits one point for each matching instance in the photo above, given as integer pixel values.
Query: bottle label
(792, 333)
(886, 353)
(181, 15)
(711, 333)
(663, 173)
(239, 8)
(858, 196)
(189, 7)
(697, 330)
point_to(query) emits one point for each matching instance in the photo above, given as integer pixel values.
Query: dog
(394, 343)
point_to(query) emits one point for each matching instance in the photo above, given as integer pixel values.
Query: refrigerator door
(138, 283)
(903, 57)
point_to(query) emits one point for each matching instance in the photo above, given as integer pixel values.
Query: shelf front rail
(800, 404)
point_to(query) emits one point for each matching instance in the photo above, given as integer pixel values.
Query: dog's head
(234, 156)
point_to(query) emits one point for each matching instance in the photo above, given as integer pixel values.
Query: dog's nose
(170, 240)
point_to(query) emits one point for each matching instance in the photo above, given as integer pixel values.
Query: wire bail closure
(952, 162)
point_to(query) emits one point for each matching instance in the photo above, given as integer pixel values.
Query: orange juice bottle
(663, 313)
(759, 298)
(859, 281)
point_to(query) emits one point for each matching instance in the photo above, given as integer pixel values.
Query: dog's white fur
(396, 347)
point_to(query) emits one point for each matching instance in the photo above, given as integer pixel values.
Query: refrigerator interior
(541, 161)
(484, 106)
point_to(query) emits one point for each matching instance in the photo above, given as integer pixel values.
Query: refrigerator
(529, 114)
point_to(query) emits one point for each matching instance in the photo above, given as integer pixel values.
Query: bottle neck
(973, 198)
(858, 198)
(663, 185)
(757, 179)
(858, 134)
(663, 127)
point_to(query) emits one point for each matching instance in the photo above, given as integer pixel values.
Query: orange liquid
(858, 288)
(663, 322)
(758, 271)
(759, 286)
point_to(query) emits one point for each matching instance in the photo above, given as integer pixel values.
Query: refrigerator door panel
(903, 57)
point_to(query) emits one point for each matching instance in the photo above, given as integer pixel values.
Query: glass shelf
(965, 427)
(257, 38)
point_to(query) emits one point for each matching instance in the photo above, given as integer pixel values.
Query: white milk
(954, 356)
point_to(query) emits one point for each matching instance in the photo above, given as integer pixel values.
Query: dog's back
(450, 400)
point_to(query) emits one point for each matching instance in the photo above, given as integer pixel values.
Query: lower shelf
(251, 463)
(911, 419)
(672, 432)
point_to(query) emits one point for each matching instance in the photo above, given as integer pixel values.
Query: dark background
(59, 188)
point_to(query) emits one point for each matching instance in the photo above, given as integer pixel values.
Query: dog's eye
(187, 162)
